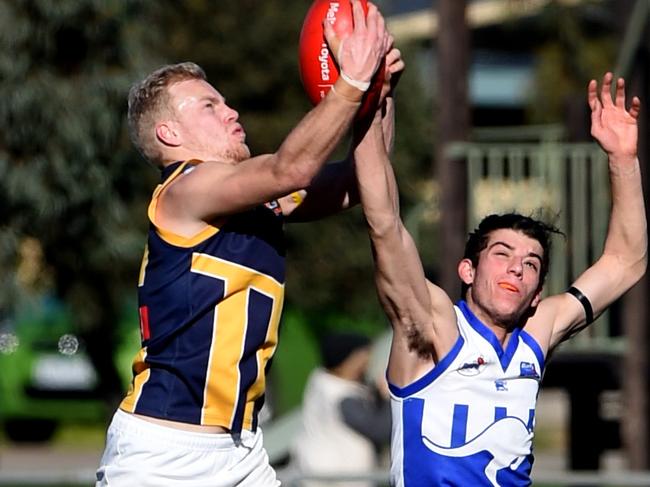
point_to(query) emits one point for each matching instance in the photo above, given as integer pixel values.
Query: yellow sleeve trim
(180, 241)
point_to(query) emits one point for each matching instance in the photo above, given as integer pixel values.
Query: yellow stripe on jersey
(223, 378)
(264, 354)
(141, 376)
(186, 242)
(143, 266)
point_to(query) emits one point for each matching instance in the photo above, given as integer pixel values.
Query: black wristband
(584, 301)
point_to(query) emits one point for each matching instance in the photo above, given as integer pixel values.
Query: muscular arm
(624, 257)
(421, 314)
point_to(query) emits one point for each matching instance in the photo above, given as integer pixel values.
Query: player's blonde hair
(149, 101)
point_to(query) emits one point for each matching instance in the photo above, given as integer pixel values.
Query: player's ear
(466, 271)
(167, 133)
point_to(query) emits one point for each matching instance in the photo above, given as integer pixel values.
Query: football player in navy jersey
(464, 376)
(211, 284)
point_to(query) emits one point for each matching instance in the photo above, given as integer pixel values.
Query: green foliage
(71, 181)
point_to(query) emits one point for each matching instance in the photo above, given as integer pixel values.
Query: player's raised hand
(359, 52)
(613, 126)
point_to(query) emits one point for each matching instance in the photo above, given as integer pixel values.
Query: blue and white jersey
(470, 420)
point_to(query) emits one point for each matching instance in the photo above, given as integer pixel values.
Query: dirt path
(47, 465)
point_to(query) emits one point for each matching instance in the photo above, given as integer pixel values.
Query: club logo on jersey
(501, 385)
(527, 369)
(274, 206)
(473, 367)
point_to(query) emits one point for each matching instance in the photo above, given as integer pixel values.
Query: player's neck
(502, 331)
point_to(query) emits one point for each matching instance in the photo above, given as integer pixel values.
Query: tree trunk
(453, 126)
(636, 366)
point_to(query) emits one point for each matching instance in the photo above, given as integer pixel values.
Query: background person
(345, 421)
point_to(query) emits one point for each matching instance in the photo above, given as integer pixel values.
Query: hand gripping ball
(318, 70)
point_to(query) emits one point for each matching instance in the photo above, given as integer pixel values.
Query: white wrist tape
(360, 85)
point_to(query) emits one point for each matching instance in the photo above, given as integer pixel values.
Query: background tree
(71, 183)
(453, 122)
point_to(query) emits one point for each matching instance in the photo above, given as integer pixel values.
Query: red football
(318, 71)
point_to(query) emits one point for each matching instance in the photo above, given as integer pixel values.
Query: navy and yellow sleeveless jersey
(209, 313)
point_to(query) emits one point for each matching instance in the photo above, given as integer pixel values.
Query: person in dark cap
(345, 422)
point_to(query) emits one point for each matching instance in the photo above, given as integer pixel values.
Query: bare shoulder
(180, 201)
(552, 318)
(177, 193)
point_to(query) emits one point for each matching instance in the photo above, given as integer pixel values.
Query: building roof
(415, 19)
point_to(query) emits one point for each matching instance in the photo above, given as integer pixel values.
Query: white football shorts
(144, 454)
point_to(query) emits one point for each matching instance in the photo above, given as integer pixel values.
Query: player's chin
(509, 314)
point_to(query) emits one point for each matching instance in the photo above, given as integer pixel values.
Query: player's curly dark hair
(531, 227)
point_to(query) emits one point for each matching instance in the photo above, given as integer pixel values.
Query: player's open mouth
(508, 287)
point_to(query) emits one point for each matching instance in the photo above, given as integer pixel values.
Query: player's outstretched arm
(421, 314)
(624, 257)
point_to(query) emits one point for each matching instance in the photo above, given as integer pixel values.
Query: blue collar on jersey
(505, 356)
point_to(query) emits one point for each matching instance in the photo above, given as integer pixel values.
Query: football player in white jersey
(464, 377)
